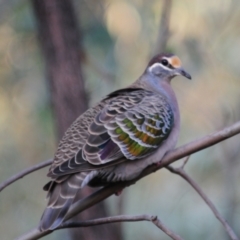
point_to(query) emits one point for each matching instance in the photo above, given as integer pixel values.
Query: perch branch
(106, 220)
(123, 218)
(172, 156)
(169, 158)
(181, 172)
(23, 173)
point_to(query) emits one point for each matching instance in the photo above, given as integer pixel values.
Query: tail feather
(53, 195)
(61, 198)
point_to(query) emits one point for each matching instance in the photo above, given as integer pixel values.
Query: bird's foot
(158, 164)
(118, 193)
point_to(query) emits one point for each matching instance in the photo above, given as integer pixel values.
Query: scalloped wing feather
(128, 124)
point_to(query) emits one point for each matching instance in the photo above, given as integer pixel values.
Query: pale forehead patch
(175, 61)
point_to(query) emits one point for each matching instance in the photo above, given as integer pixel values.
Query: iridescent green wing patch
(141, 130)
(100, 147)
(128, 124)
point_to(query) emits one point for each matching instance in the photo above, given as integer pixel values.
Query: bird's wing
(129, 124)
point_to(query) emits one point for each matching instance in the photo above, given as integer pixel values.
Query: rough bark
(60, 40)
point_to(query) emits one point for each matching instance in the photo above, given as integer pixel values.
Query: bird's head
(166, 66)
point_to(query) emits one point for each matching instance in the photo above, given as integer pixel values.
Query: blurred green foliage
(119, 37)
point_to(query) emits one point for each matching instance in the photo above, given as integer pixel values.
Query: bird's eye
(164, 62)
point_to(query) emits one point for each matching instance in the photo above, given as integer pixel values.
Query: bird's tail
(61, 196)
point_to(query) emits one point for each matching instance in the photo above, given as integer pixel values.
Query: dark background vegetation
(117, 40)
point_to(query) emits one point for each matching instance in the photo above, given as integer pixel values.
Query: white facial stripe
(168, 59)
(155, 65)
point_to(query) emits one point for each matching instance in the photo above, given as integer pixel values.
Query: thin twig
(170, 233)
(106, 220)
(169, 158)
(185, 162)
(123, 218)
(23, 173)
(181, 172)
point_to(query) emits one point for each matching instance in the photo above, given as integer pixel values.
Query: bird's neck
(165, 89)
(162, 87)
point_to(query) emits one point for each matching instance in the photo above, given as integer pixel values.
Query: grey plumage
(117, 138)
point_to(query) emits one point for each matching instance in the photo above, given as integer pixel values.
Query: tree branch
(181, 172)
(106, 220)
(163, 33)
(169, 158)
(123, 218)
(160, 225)
(23, 173)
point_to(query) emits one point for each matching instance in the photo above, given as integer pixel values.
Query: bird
(115, 140)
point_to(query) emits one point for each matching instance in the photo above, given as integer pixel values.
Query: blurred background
(118, 38)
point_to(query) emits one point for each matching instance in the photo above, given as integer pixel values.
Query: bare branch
(105, 220)
(123, 218)
(163, 33)
(23, 173)
(170, 233)
(169, 158)
(185, 161)
(181, 172)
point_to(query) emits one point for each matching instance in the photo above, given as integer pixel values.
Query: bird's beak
(182, 72)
